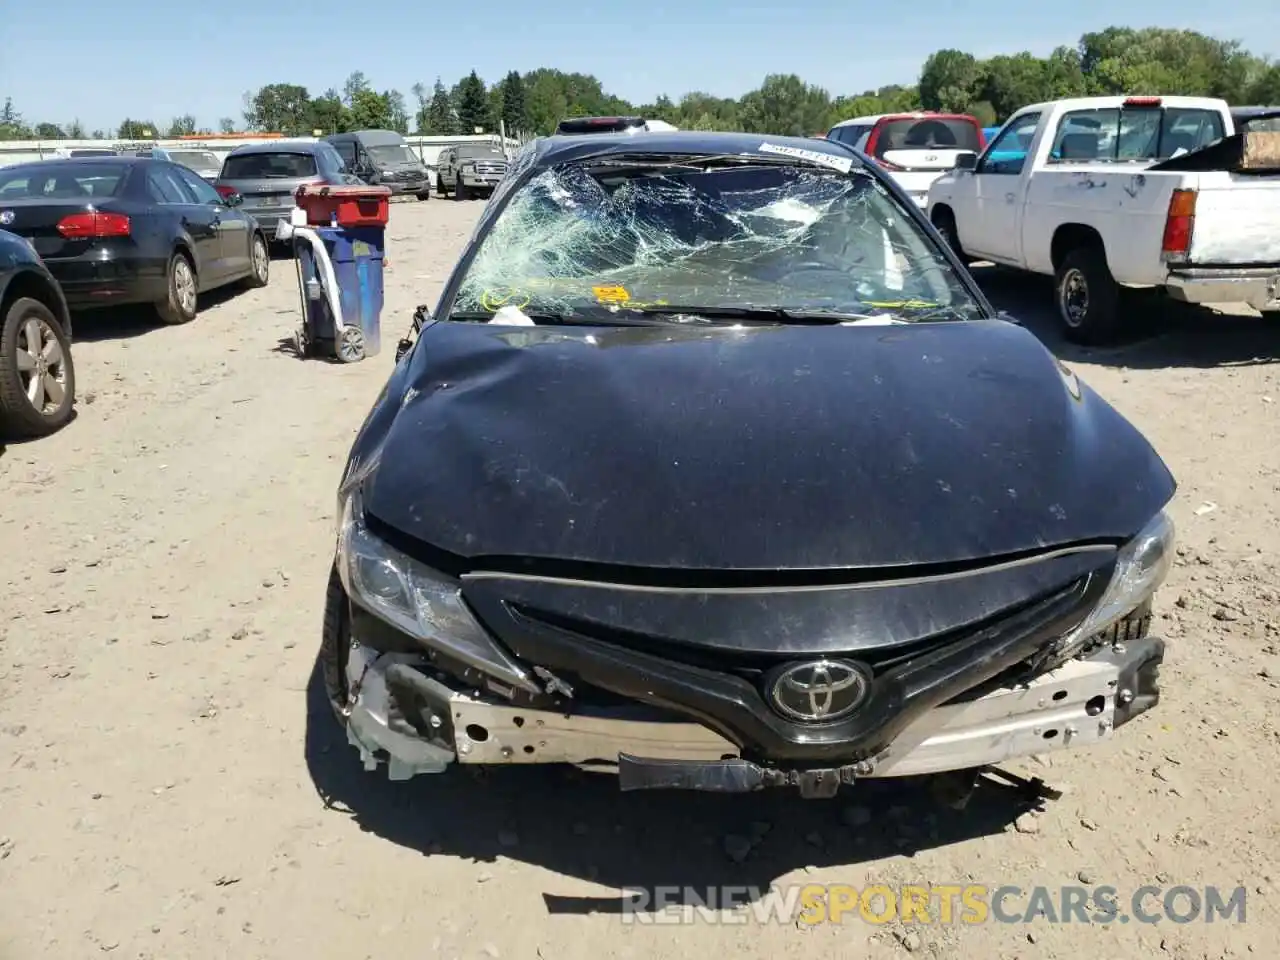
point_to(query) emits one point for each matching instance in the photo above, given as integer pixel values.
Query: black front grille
(752, 667)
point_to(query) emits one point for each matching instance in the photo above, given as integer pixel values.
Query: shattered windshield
(655, 234)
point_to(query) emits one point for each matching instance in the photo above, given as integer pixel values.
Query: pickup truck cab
(1073, 189)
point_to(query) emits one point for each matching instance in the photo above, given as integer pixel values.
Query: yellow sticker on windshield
(899, 304)
(611, 294)
(499, 297)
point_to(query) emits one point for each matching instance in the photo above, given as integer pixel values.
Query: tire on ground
(1094, 317)
(171, 309)
(19, 417)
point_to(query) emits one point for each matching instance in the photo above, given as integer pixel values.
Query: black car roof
(551, 151)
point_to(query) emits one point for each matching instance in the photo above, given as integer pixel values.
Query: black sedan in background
(126, 230)
(37, 378)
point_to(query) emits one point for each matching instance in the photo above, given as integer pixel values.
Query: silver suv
(267, 175)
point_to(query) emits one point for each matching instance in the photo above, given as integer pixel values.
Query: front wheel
(1087, 297)
(425, 195)
(944, 222)
(37, 377)
(180, 305)
(460, 191)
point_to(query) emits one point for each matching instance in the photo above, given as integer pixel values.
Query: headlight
(1141, 566)
(423, 603)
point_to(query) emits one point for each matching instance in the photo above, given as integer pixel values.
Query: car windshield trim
(766, 238)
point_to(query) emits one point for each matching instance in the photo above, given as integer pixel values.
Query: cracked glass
(630, 233)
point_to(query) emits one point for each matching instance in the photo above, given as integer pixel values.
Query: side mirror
(968, 160)
(1008, 317)
(231, 199)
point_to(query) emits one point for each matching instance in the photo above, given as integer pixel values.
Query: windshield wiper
(749, 312)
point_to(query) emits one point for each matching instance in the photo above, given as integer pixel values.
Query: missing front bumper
(1079, 704)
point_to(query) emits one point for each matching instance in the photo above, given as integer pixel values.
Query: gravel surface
(172, 785)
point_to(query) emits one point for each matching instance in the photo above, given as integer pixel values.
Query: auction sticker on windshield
(843, 164)
(611, 294)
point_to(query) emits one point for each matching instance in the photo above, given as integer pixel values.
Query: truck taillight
(1143, 101)
(1178, 224)
(224, 191)
(85, 226)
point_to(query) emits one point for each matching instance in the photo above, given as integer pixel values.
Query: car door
(199, 221)
(346, 149)
(233, 226)
(989, 222)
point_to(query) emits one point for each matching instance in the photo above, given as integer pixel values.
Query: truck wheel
(945, 223)
(1087, 297)
(425, 195)
(440, 190)
(460, 191)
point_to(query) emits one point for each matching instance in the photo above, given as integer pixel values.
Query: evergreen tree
(473, 105)
(440, 120)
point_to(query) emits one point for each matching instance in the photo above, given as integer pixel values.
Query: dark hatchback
(132, 230)
(714, 468)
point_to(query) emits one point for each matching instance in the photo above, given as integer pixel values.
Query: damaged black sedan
(713, 467)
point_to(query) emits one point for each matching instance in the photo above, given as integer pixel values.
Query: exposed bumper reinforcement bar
(1080, 703)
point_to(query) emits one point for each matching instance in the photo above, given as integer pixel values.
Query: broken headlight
(425, 604)
(1141, 566)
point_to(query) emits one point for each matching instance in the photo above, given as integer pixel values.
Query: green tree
(48, 131)
(11, 125)
(370, 110)
(515, 113)
(75, 130)
(279, 108)
(440, 116)
(949, 81)
(183, 126)
(329, 113)
(227, 125)
(356, 83)
(473, 105)
(419, 91)
(785, 105)
(399, 111)
(137, 130)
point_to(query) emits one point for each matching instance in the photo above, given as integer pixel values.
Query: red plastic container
(353, 206)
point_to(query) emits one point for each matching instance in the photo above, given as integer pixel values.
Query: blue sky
(149, 59)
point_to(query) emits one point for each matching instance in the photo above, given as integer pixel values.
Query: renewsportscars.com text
(811, 904)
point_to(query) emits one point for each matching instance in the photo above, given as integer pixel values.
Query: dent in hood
(765, 448)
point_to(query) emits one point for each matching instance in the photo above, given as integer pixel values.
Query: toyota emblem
(819, 691)
(6, 217)
(930, 157)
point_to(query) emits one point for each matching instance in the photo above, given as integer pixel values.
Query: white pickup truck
(1074, 189)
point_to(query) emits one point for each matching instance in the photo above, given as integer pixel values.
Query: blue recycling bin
(356, 254)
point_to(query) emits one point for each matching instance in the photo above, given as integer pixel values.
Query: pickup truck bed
(1204, 226)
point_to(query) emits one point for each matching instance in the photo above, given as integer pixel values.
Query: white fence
(25, 151)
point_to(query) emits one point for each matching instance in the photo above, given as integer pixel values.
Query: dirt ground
(171, 785)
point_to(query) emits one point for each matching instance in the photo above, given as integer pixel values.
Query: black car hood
(764, 448)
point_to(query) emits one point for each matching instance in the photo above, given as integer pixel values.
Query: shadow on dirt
(1163, 333)
(580, 825)
(8, 439)
(134, 320)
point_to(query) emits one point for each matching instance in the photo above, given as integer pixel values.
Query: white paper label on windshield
(843, 164)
